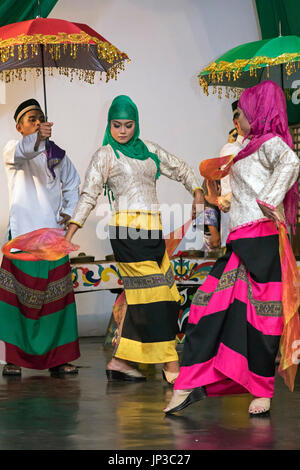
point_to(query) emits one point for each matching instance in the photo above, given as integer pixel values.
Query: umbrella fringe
(113, 59)
(58, 44)
(215, 73)
(88, 76)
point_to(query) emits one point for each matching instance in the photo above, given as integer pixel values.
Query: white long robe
(36, 198)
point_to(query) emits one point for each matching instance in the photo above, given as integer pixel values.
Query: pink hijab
(264, 106)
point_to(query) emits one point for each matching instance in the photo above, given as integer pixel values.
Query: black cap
(26, 106)
(234, 106)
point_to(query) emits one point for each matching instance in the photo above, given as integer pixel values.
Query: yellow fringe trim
(216, 71)
(87, 76)
(56, 44)
(24, 46)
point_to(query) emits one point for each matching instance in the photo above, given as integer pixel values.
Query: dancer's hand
(212, 192)
(214, 240)
(271, 212)
(64, 219)
(198, 203)
(72, 229)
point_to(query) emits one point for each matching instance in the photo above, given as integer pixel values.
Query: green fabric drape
(271, 12)
(13, 11)
(284, 14)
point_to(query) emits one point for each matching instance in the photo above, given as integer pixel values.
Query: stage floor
(84, 412)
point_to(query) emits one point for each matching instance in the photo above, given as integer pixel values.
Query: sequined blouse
(266, 175)
(132, 181)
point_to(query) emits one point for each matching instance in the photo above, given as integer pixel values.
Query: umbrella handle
(45, 95)
(44, 82)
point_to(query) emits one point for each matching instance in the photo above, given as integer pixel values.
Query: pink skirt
(236, 319)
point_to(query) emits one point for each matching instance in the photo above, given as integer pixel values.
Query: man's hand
(198, 203)
(44, 132)
(64, 219)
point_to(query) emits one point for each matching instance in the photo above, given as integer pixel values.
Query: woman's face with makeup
(122, 130)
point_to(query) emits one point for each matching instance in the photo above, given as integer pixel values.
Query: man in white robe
(38, 321)
(38, 197)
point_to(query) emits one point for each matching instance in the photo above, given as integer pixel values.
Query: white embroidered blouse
(132, 181)
(266, 175)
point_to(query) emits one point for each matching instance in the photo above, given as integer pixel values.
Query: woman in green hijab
(148, 318)
(124, 109)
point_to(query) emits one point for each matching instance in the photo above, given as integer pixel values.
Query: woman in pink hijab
(248, 304)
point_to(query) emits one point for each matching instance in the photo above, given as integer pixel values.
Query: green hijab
(123, 107)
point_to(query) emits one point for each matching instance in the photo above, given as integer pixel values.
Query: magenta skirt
(236, 318)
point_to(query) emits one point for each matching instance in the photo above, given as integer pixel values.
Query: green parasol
(276, 59)
(247, 65)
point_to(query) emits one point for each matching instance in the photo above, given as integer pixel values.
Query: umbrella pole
(281, 73)
(44, 77)
(45, 96)
(44, 82)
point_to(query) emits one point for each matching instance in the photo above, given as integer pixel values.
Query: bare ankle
(172, 366)
(117, 364)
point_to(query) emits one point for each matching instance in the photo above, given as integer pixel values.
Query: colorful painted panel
(105, 276)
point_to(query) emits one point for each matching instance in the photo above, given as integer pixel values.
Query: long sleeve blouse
(266, 175)
(132, 181)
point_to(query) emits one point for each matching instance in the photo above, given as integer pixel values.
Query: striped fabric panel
(235, 322)
(147, 353)
(38, 269)
(41, 335)
(143, 220)
(232, 329)
(38, 320)
(153, 322)
(233, 280)
(60, 355)
(36, 296)
(150, 325)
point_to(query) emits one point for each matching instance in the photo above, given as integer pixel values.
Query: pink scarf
(264, 106)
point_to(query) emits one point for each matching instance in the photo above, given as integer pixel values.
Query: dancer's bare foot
(118, 364)
(121, 366)
(177, 399)
(170, 371)
(172, 366)
(183, 398)
(64, 369)
(260, 406)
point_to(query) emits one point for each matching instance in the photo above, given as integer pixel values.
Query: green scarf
(123, 107)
